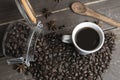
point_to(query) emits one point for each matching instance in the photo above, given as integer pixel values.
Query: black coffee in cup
(87, 39)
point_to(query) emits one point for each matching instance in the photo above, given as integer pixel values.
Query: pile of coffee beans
(55, 60)
(16, 38)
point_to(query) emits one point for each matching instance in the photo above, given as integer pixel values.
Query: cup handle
(67, 39)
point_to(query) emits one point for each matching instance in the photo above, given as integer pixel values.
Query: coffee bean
(16, 39)
(55, 60)
(69, 63)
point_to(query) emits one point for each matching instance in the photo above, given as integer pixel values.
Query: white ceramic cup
(79, 27)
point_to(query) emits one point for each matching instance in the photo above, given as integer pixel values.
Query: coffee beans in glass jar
(19, 42)
(15, 39)
(55, 60)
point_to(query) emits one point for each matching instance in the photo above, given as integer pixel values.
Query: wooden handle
(28, 10)
(79, 8)
(94, 14)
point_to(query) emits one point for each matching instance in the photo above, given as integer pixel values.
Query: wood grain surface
(9, 13)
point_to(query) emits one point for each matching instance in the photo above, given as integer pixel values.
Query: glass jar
(19, 42)
(20, 38)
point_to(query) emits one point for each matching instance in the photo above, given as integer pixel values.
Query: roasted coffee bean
(61, 27)
(55, 60)
(61, 61)
(16, 39)
(58, 1)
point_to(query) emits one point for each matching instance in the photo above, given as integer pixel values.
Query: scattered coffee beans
(55, 60)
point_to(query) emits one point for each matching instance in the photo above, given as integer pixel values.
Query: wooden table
(9, 13)
(62, 15)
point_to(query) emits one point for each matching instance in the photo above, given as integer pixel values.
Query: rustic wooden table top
(9, 13)
(61, 14)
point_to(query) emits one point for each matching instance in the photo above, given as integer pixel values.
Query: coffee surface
(87, 39)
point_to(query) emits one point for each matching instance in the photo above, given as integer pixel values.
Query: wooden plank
(66, 18)
(38, 5)
(7, 72)
(10, 12)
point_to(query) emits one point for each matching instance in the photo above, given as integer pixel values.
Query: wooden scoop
(80, 8)
(29, 10)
